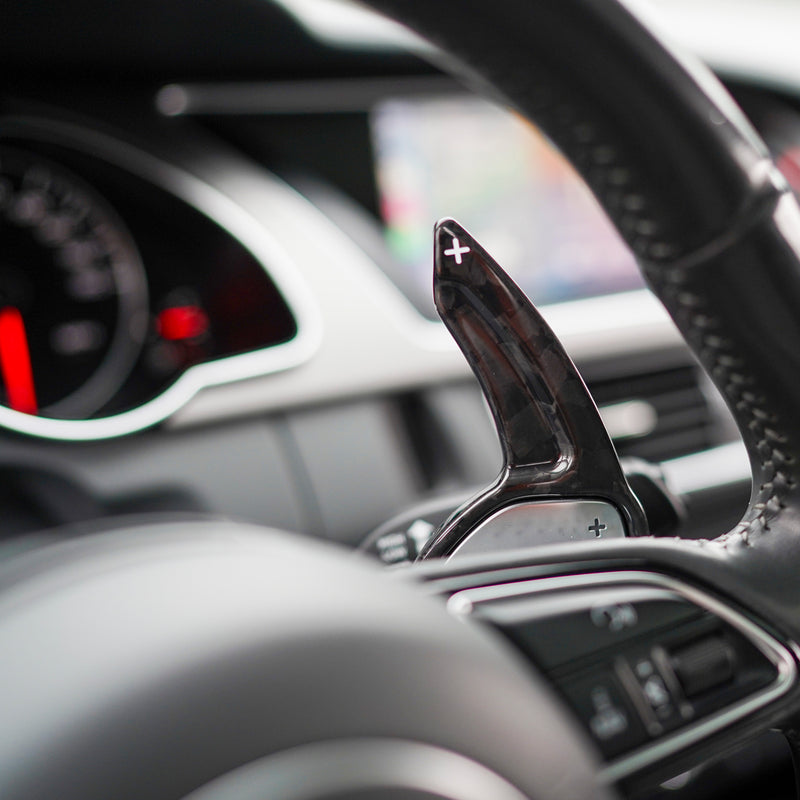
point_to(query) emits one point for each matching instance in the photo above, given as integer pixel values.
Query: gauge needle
(15, 362)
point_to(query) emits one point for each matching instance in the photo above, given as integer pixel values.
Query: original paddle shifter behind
(561, 479)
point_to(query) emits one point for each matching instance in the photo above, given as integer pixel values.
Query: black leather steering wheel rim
(693, 192)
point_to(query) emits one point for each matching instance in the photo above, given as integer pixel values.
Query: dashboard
(215, 281)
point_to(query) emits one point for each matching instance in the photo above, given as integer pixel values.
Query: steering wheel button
(656, 693)
(654, 690)
(608, 720)
(393, 548)
(558, 630)
(607, 712)
(704, 665)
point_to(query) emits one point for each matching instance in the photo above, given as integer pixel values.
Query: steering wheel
(215, 660)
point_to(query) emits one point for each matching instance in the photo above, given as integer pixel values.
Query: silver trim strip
(462, 604)
(327, 95)
(231, 217)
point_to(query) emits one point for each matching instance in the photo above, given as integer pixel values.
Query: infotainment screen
(465, 158)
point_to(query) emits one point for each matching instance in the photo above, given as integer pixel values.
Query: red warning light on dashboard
(181, 322)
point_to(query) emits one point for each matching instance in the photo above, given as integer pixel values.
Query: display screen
(465, 158)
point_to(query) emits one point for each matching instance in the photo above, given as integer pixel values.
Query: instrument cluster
(114, 289)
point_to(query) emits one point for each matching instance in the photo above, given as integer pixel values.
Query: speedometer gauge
(73, 293)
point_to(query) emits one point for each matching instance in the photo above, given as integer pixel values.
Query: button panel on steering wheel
(648, 664)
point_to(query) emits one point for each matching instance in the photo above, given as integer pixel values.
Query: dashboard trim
(294, 97)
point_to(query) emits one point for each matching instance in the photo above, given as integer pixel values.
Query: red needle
(15, 362)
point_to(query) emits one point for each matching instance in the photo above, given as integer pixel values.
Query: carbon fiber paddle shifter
(561, 479)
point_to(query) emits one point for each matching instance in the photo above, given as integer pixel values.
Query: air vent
(657, 415)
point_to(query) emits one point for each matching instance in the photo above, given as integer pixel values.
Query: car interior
(399, 406)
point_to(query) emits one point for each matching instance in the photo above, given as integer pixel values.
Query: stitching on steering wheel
(737, 382)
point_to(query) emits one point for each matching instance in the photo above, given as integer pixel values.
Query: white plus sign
(456, 250)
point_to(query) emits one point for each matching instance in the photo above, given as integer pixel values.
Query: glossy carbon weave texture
(553, 440)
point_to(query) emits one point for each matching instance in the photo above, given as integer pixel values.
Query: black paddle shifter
(561, 479)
